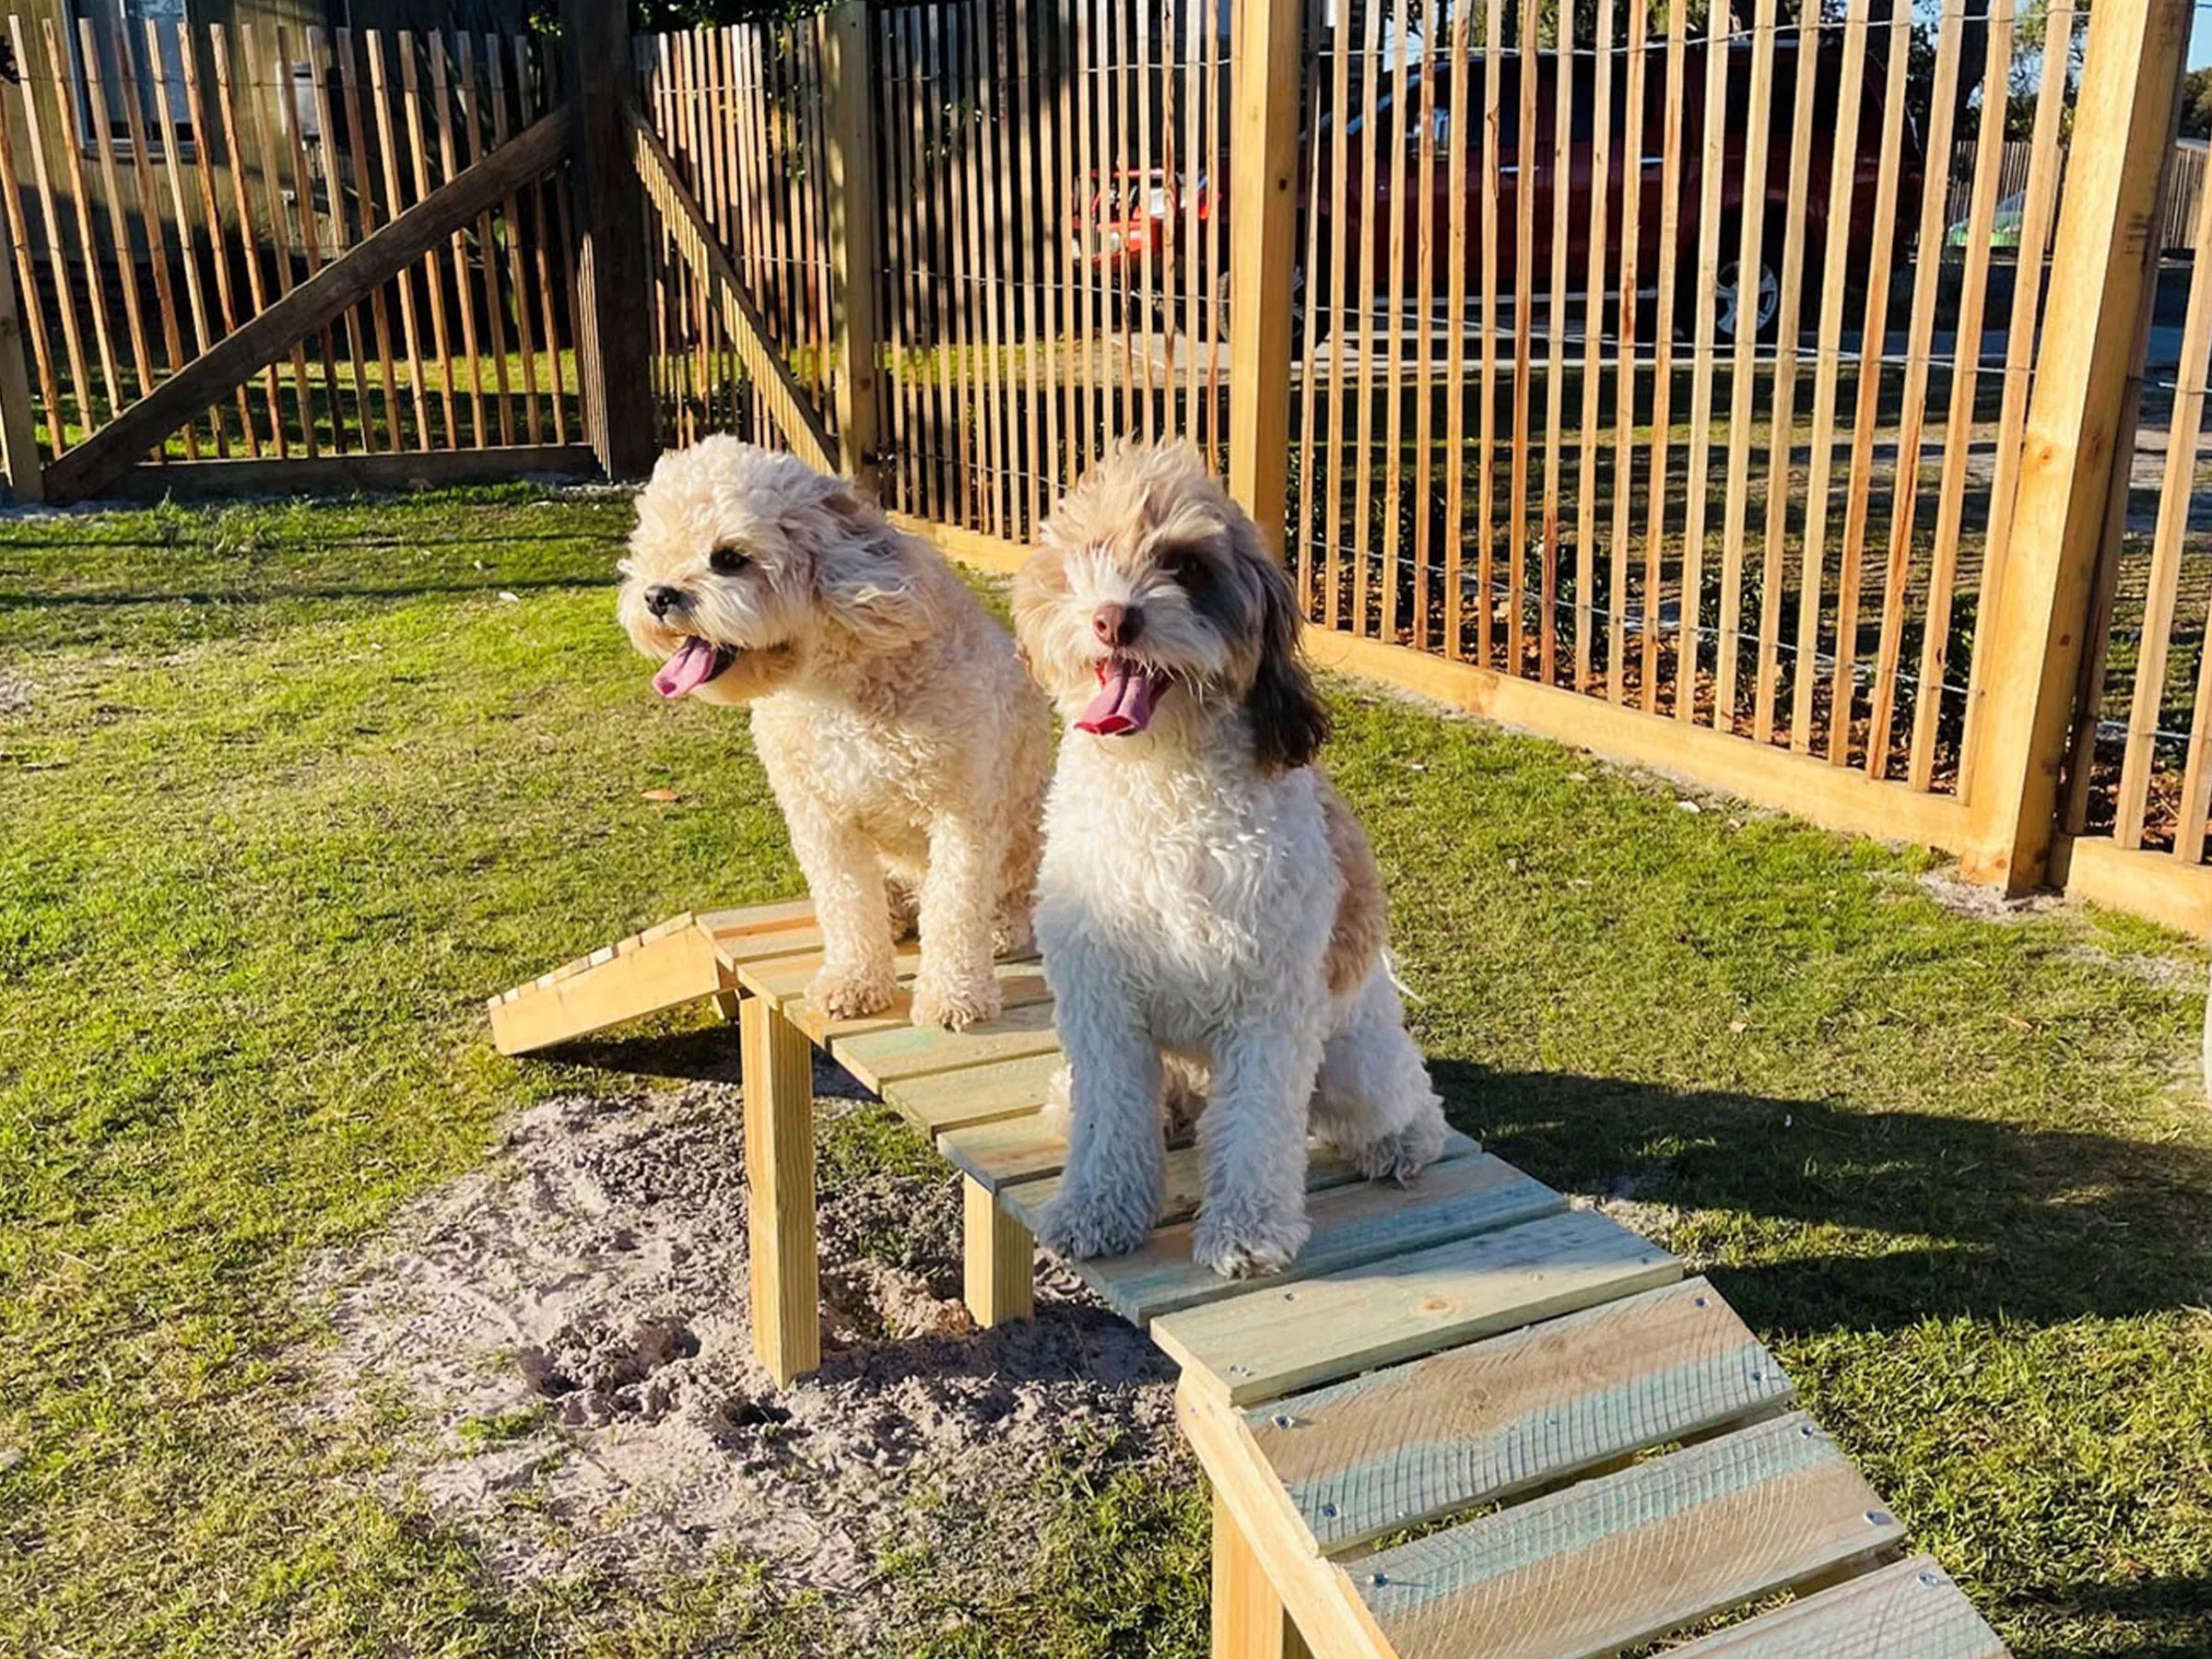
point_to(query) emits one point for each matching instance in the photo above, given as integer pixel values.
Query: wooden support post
(1249, 1621)
(849, 97)
(18, 432)
(779, 1179)
(614, 343)
(1262, 165)
(2088, 378)
(999, 1258)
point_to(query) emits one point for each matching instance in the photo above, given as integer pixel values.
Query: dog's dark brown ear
(1288, 723)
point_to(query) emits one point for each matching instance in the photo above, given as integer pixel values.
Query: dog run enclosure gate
(1589, 1450)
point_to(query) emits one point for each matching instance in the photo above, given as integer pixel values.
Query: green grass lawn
(298, 787)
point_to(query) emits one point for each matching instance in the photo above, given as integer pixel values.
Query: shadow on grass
(267, 593)
(1955, 1216)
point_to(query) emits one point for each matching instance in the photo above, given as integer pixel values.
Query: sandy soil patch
(571, 1328)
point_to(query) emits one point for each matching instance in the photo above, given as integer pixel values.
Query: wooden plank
(999, 1258)
(318, 52)
(1510, 1416)
(1907, 1610)
(259, 84)
(102, 143)
(1021, 985)
(1711, 176)
(550, 227)
(1555, 382)
(1363, 296)
(790, 405)
(2168, 890)
(1645, 1551)
(662, 973)
(1873, 333)
(518, 237)
(1326, 1169)
(1266, 1342)
(1024, 1149)
(1393, 305)
(1248, 1621)
(388, 150)
(149, 209)
(2091, 356)
(80, 383)
(27, 289)
(779, 1177)
(336, 285)
(1263, 166)
(338, 475)
(940, 1102)
(1593, 290)
(18, 438)
(1743, 377)
(1828, 361)
(487, 244)
(883, 1058)
(1966, 360)
(418, 151)
(1455, 311)
(1486, 422)
(1353, 1226)
(1624, 371)
(1663, 352)
(1782, 439)
(74, 145)
(1524, 249)
(366, 205)
(1927, 259)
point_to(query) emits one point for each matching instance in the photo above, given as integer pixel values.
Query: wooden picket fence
(1895, 530)
(175, 181)
(1526, 454)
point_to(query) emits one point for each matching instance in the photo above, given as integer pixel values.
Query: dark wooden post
(614, 345)
(849, 95)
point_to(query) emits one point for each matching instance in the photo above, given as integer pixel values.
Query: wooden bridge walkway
(1471, 1422)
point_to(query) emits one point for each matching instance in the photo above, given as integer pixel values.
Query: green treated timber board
(1185, 1177)
(1629, 1556)
(881, 1058)
(984, 1094)
(1352, 1225)
(1267, 1342)
(1497, 1419)
(1909, 1610)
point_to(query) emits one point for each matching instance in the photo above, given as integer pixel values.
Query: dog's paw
(954, 1007)
(1246, 1246)
(850, 993)
(1402, 1156)
(1080, 1223)
(1058, 1112)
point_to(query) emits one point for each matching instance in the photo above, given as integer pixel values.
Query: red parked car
(1134, 210)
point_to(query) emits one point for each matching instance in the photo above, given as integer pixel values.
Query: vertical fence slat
(1524, 257)
(73, 141)
(1393, 429)
(1712, 165)
(1624, 371)
(1663, 356)
(1927, 258)
(1562, 162)
(1456, 320)
(217, 241)
(284, 87)
(103, 142)
(149, 215)
(27, 279)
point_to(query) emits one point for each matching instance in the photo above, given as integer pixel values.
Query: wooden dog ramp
(1471, 1422)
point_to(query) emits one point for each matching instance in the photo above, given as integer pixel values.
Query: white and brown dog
(1206, 899)
(908, 750)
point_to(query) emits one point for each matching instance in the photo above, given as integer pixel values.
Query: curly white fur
(1204, 899)
(898, 731)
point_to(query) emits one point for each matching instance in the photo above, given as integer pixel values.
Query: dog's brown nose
(1117, 624)
(659, 601)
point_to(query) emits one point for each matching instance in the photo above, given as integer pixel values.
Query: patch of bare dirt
(16, 691)
(571, 1328)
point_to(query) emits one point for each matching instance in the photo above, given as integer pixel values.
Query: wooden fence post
(18, 432)
(614, 347)
(1262, 162)
(2088, 376)
(849, 95)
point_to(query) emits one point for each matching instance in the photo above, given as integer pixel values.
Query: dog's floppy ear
(863, 574)
(1288, 723)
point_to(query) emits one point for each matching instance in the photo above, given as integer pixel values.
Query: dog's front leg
(957, 985)
(1252, 1215)
(1117, 1171)
(844, 874)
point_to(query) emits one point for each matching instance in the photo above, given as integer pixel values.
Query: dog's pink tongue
(691, 667)
(1123, 705)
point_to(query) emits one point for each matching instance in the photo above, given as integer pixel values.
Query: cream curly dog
(908, 750)
(1207, 904)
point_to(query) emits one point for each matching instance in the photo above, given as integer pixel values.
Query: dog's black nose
(659, 601)
(1117, 624)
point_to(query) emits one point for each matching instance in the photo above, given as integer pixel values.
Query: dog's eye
(726, 561)
(1183, 566)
